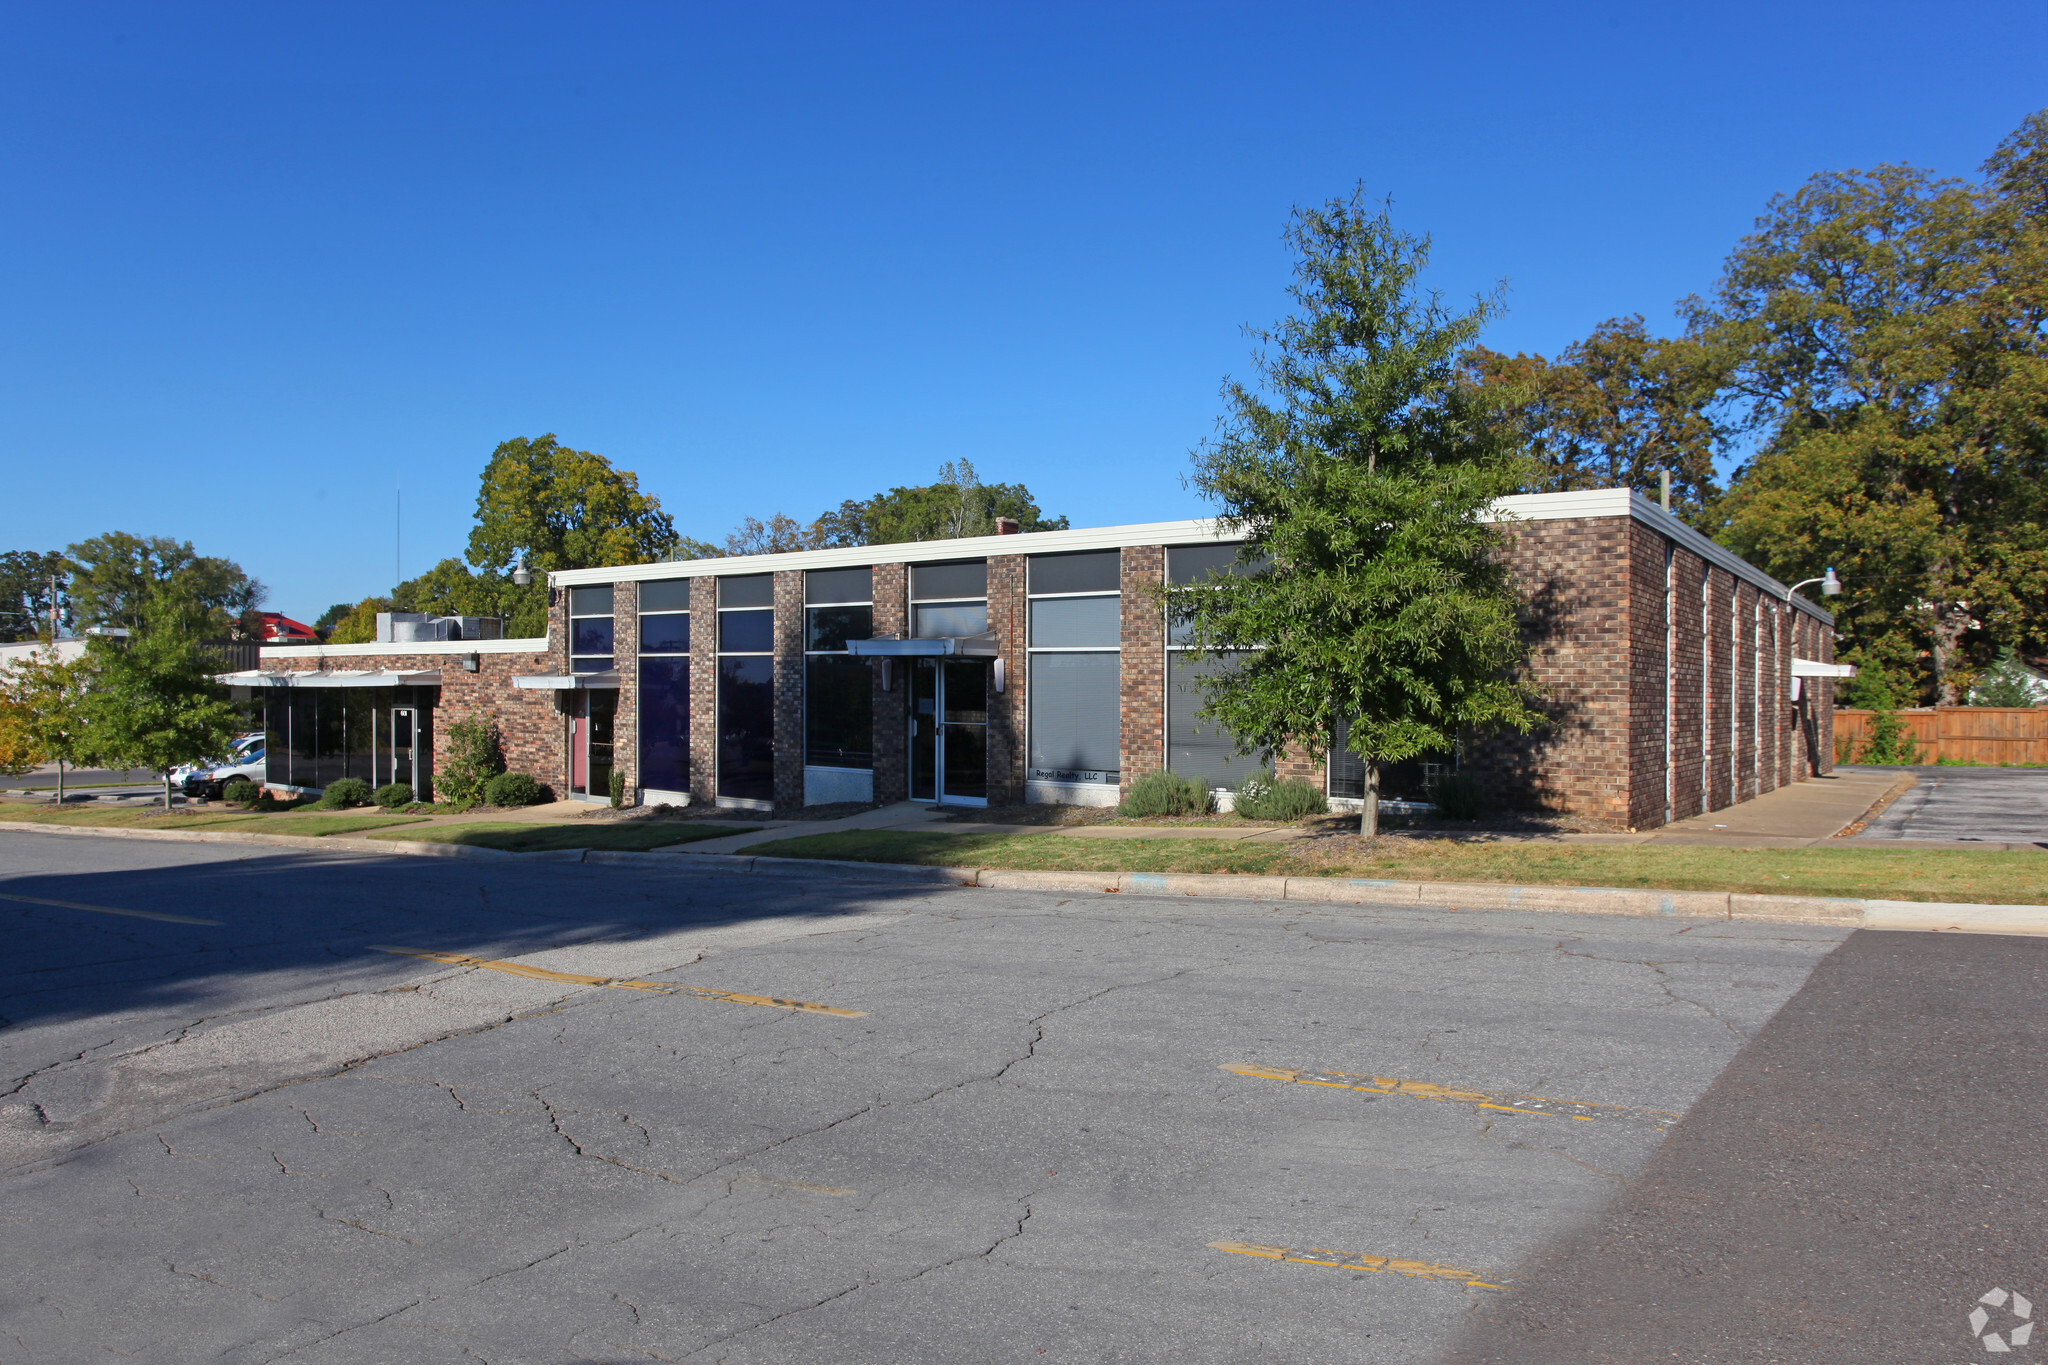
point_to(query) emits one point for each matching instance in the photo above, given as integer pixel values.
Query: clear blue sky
(257, 262)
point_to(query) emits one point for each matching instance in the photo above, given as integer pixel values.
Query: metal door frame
(412, 746)
(938, 719)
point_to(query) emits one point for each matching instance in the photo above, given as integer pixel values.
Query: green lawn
(515, 837)
(1886, 874)
(280, 822)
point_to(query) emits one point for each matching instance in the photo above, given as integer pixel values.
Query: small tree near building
(1360, 471)
(41, 700)
(153, 702)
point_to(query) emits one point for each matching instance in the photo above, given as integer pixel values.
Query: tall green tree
(43, 697)
(1360, 470)
(117, 578)
(1615, 411)
(152, 702)
(33, 600)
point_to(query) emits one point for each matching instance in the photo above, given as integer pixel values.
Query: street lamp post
(1830, 586)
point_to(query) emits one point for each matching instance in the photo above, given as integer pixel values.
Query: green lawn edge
(1933, 875)
(511, 836)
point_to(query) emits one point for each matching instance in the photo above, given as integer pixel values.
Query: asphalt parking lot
(1989, 805)
(1021, 1126)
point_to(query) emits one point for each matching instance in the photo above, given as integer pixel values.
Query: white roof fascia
(538, 645)
(1583, 503)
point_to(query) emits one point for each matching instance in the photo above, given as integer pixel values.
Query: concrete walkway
(1791, 817)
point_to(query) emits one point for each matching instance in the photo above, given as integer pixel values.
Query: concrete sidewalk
(1802, 814)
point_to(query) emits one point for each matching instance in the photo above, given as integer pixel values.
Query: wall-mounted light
(999, 675)
(522, 572)
(469, 663)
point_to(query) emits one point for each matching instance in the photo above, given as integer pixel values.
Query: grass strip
(276, 823)
(528, 837)
(1997, 878)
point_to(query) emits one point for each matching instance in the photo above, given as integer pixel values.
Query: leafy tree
(153, 702)
(332, 617)
(32, 583)
(359, 627)
(565, 509)
(777, 535)
(2005, 683)
(959, 504)
(117, 579)
(42, 699)
(1359, 470)
(1615, 410)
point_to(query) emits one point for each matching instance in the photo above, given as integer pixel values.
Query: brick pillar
(1720, 647)
(1008, 608)
(558, 663)
(704, 689)
(1744, 692)
(892, 734)
(1688, 680)
(1143, 747)
(789, 689)
(626, 658)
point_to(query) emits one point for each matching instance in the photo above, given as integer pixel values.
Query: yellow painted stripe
(1359, 1260)
(1428, 1090)
(107, 910)
(619, 983)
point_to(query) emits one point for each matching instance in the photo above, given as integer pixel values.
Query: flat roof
(1596, 502)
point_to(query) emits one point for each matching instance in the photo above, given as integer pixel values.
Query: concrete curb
(1932, 916)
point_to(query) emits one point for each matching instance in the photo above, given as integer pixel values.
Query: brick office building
(1677, 678)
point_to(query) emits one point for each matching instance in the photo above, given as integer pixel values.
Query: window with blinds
(1075, 652)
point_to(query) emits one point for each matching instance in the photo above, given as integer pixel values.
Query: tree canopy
(958, 504)
(31, 583)
(564, 509)
(1360, 468)
(119, 579)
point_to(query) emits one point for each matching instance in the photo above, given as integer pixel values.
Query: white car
(245, 759)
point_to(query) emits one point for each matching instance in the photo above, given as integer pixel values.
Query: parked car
(245, 759)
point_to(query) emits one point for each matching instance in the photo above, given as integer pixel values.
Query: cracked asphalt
(265, 1140)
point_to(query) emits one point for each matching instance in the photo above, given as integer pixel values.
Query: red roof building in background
(279, 629)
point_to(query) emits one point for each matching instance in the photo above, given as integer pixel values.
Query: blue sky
(258, 263)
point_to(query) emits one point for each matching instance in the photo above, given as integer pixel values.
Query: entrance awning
(981, 646)
(428, 677)
(1813, 668)
(565, 682)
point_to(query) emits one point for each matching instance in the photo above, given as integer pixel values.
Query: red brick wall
(1688, 681)
(789, 688)
(1143, 746)
(892, 733)
(1647, 687)
(704, 690)
(1720, 653)
(1008, 617)
(626, 658)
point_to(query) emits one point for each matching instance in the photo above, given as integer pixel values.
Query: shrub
(474, 755)
(1284, 800)
(239, 790)
(516, 789)
(1164, 793)
(267, 802)
(1458, 796)
(618, 785)
(344, 792)
(392, 795)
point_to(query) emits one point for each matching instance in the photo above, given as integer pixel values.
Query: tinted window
(746, 632)
(665, 594)
(590, 635)
(747, 590)
(1096, 572)
(1077, 623)
(668, 634)
(829, 628)
(591, 601)
(937, 582)
(1193, 563)
(935, 623)
(839, 713)
(746, 728)
(665, 724)
(823, 586)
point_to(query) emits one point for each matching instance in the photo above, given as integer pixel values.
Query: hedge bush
(1164, 793)
(239, 790)
(618, 785)
(1458, 796)
(516, 789)
(344, 792)
(475, 755)
(1283, 800)
(392, 795)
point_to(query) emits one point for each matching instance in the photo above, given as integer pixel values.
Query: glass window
(746, 632)
(665, 634)
(595, 601)
(839, 712)
(826, 586)
(590, 635)
(747, 590)
(665, 724)
(1077, 623)
(937, 621)
(1193, 563)
(1097, 571)
(665, 594)
(939, 582)
(1194, 747)
(829, 628)
(746, 728)
(1076, 717)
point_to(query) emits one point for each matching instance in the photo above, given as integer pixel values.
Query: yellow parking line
(107, 910)
(619, 983)
(1359, 1260)
(1427, 1090)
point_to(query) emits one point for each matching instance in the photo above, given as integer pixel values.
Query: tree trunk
(1369, 811)
(167, 792)
(60, 782)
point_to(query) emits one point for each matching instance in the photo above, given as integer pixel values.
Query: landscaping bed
(1959, 875)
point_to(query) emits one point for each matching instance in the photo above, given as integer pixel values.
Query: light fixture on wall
(522, 572)
(1830, 586)
(999, 674)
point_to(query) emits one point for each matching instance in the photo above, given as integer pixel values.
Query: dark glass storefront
(314, 736)
(746, 727)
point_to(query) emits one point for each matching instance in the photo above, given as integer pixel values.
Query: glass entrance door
(949, 731)
(403, 740)
(590, 741)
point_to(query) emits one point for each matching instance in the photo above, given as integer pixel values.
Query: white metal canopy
(974, 646)
(366, 677)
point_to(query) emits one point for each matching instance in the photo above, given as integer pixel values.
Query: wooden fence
(1974, 734)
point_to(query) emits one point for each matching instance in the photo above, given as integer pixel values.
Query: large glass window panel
(746, 632)
(361, 706)
(839, 711)
(595, 601)
(603, 712)
(938, 582)
(747, 590)
(1195, 747)
(1347, 770)
(665, 724)
(590, 635)
(591, 663)
(823, 586)
(1096, 571)
(829, 628)
(665, 594)
(277, 738)
(746, 728)
(965, 716)
(1077, 622)
(666, 634)
(958, 618)
(1076, 717)
(330, 755)
(1193, 563)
